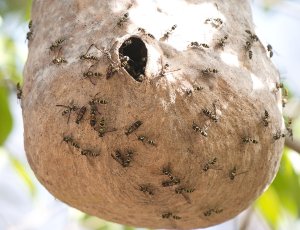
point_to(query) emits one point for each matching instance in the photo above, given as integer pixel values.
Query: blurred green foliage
(22, 8)
(10, 74)
(6, 121)
(282, 198)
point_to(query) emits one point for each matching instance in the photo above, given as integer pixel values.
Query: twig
(293, 144)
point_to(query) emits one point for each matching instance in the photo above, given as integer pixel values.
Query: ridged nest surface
(151, 113)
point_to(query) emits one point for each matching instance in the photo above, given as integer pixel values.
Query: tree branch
(293, 144)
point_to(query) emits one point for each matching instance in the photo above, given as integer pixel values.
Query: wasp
(168, 215)
(279, 85)
(212, 115)
(278, 135)
(181, 190)
(198, 88)
(56, 44)
(93, 112)
(111, 70)
(165, 70)
(117, 157)
(89, 74)
(126, 43)
(146, 189)
(168, 33)
(150, 35)
(102, 128)
(19, 90)
(253, 37)
(145, 139)
(284, 102)
(123, 160)
(134, 126)
(289, 128)
(270, 49)
(189, 92)
(30, 25)
(248, 45)
(233, 173)
(59, 60)
(248, 49)
(166, 170)
(266, 118)
(198, 45)
(209, 70)
(98, 101)
(216, 22)
(250, 54)
(128, 65)
(173, 27)
(69, 140)
(221, 43)
(143, 31)
(202, 131)
(247, 140)
(176, 217)
(80, 114)
(123, 19)
(210, 211)
(30, 33)
(208, 165)
(285, 92)
(140, 77)
(87, 152)
(87, 56)
(173, 181)
(68, 110)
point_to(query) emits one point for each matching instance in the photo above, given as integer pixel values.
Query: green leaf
(283, 196)
(287, 186)
(6, 121)
(269, 205)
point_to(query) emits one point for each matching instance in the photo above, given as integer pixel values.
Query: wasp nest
(141, 115)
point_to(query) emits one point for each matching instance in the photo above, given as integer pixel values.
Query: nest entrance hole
(133, 57)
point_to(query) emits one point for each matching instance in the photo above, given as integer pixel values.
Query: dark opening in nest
(133, 57)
